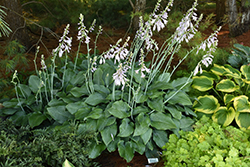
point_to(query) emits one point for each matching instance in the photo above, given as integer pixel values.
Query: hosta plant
(132, 105)
(226, 94)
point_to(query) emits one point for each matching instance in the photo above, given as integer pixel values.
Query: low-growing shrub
(44, 148)
(208, 145)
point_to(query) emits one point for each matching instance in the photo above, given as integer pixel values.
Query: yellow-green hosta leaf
(224, 116)
(242, 120)
(210, 75)
(232, 72)
(226, 85)
(207, 104)
(241, 104)
(218, 70)
(67, 164)
(228, 98)
(245, 69)
(202, 83)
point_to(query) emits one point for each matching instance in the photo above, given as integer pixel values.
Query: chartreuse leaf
(245, 69)
(242, 120)
(218, 70)
(224, 116)
(146, 136)
(180, 97)
(36, 118)
(207, 104)
(96, 149)
(67, 164)
(162, 121)
(126, 128)
(241, 104)
(95, 99)
(108, 133)
(228, 98)
(59, 114)
(119, 109)
(126, 150)
(142, 123)
(160, 137)
(202, 83)
(226, 85)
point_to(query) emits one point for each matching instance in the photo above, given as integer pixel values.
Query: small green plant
(240, 56)
(208, 145)
(225, 97)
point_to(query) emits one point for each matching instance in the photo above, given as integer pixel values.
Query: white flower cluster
(83, 32)
(65, 43)
(120, 75)
(143, 66)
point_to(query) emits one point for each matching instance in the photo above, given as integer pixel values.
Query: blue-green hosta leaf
(102, 90)
(180, 97)
(160, 85)
(59, 114)
(226, 85)
(241, 104)
(109, 133)
(242, 120)
(95, 99)
(142, 123)
(245, 69)
(160, 137)
(96, 113)
(140, 109)
(113, 144)
(218, 70)
(19, 118)
(97, 78)
(119, 109)
(78, 92)
(179, 82)
(104, 121)
(165, 77)
(152, 94)
(78, 78)
(36, 118)
(156, 104)
(126, 128)
(162, 121)
(11, 103)
(186, 122)
(139, 146)
(147, 136)
(96, 149)
(202, 83)
(8, 111)
(207, 104)
(140, 97)
(228, 98)
(56, 102)
(74, 107)
(88, 126)
(34, 83)
(174, 111)
(24, 90)
(224, 116)
(83, 112)
(126, 150)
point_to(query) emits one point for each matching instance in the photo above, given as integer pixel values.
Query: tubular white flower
(120, 76)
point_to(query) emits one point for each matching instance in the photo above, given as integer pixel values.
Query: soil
(110, 36)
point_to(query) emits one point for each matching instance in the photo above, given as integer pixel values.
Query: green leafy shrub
(26, 147)
(225, 94)
(208, 145)
(240, 56)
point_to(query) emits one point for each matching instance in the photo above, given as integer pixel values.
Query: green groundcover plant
(208, 145)
(132, 105)
(226, 93)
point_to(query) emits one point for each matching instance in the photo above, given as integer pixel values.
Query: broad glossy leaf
(180, 97)
(138, 146)
(102, 90)
(119, 109)
(36, 118)
(226, 85)
(59, 114)
(160, 137)
(174, 111)
(228, 98)
(126, 150)
(95, 99)
(140, 97)
(165, 77)
(96, 149)
(113, 144)
(126, 128)
(96, 113)
(202, 83)
(83, 112)
(146, 136)
(207, 104)
(78, 78)
(140, 109)
(142, 123)
(56, 102)
(24, 90)
(162, 121)
(218, 70)
(232, 72)
(179, 82)
(245, 69)
(34, 83)
(241, 104)
(104, 121)
(78, 92)
(156, 104)
(74, 107)
(11, 103)
(186, 122)
(224, 116)
(8, 111)
(88, 126)
(242, 120)
(19, 118)
(97, 78)
(108, 133)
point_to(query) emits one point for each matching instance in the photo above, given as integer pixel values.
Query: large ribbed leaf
(162, 121)
(241, 104)
(218, 70)
(224, 116)
(119, 109)
(207, 104)
(202, 83)
(226, 85)
(228, 98)
(245, 69)
(242, 120)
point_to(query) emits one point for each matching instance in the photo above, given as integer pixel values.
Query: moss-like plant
(208, 145)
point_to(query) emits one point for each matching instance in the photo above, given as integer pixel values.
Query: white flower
(120, 76)
(197, 68)
(43, 63)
